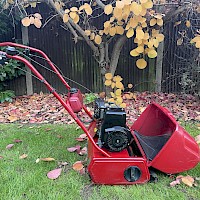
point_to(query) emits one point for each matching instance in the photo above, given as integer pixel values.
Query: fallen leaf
(73, 149)
(188, 180)
(77, 166)
(174, 183)
(54, 174)
(82, 171)
(23, 156)
(82, 137)
(9, 146)
(12, 118)
(59, 136)
(47, 159)
(83, 151)
(17, 141)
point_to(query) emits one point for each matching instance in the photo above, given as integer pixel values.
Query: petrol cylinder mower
(117, 153)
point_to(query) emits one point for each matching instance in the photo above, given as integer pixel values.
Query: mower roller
(117, 153)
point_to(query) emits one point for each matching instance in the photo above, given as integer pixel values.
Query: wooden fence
(77, 63)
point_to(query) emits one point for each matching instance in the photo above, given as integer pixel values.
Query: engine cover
(116, 138)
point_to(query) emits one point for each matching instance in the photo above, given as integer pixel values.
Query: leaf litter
(45, 108)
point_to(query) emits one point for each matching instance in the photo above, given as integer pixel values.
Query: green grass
(25, 179)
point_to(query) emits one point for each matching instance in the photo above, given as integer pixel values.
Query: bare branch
(99, 2)
(174, 11)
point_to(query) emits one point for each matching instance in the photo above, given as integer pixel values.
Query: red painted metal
(179, 153)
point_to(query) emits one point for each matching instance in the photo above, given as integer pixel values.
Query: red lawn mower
(119, 154)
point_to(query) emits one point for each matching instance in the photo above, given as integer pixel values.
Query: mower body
(119, 154)
(160, 143)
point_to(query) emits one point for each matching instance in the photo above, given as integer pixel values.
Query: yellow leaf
(119, 85)
(112, 85)
(108, 9)
(177, 23)
(117, 13)
(98, 39)
(127, 96)
(152, 53)
(140, 49)
(134, 53)
(117, 78)
(160, 22)
(144, 25)
(112, 31)
(92, 36)
(141, 63)
(26, 21)
(153, 22)
(146, 36)
(130, 33)
(118, 92)
(88, 10)
(120, 23)
(120, 4)
(120, 30)
(127, 2)
(112, 94)
(47, 159)
(101, 32)
(160, 37)
(139, 34)
(33, 4)
(123, 105)
(111, 100)
(87, 32)
(188, 24)
(65, 18)
(106, 24)
(196, 39)
(158, 16)
(72, 15)
(108, 82)
(197, 44)
(74, 9)
(136, 8)
(76, 19)
(148, 4)
(143, 1)
(143, 12)
(108, 76)
(119, 100)
(133, 22)
(37, 23)
(67, 11)
(155, 43)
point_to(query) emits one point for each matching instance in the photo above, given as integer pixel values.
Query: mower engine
(112, 131)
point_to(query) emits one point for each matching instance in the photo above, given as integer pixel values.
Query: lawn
(26, 179)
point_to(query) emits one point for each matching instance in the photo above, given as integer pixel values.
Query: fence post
(159, 63)
(29, 81)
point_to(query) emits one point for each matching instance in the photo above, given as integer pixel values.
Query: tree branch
(116, 53)
(174, 11)
(99, 3)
